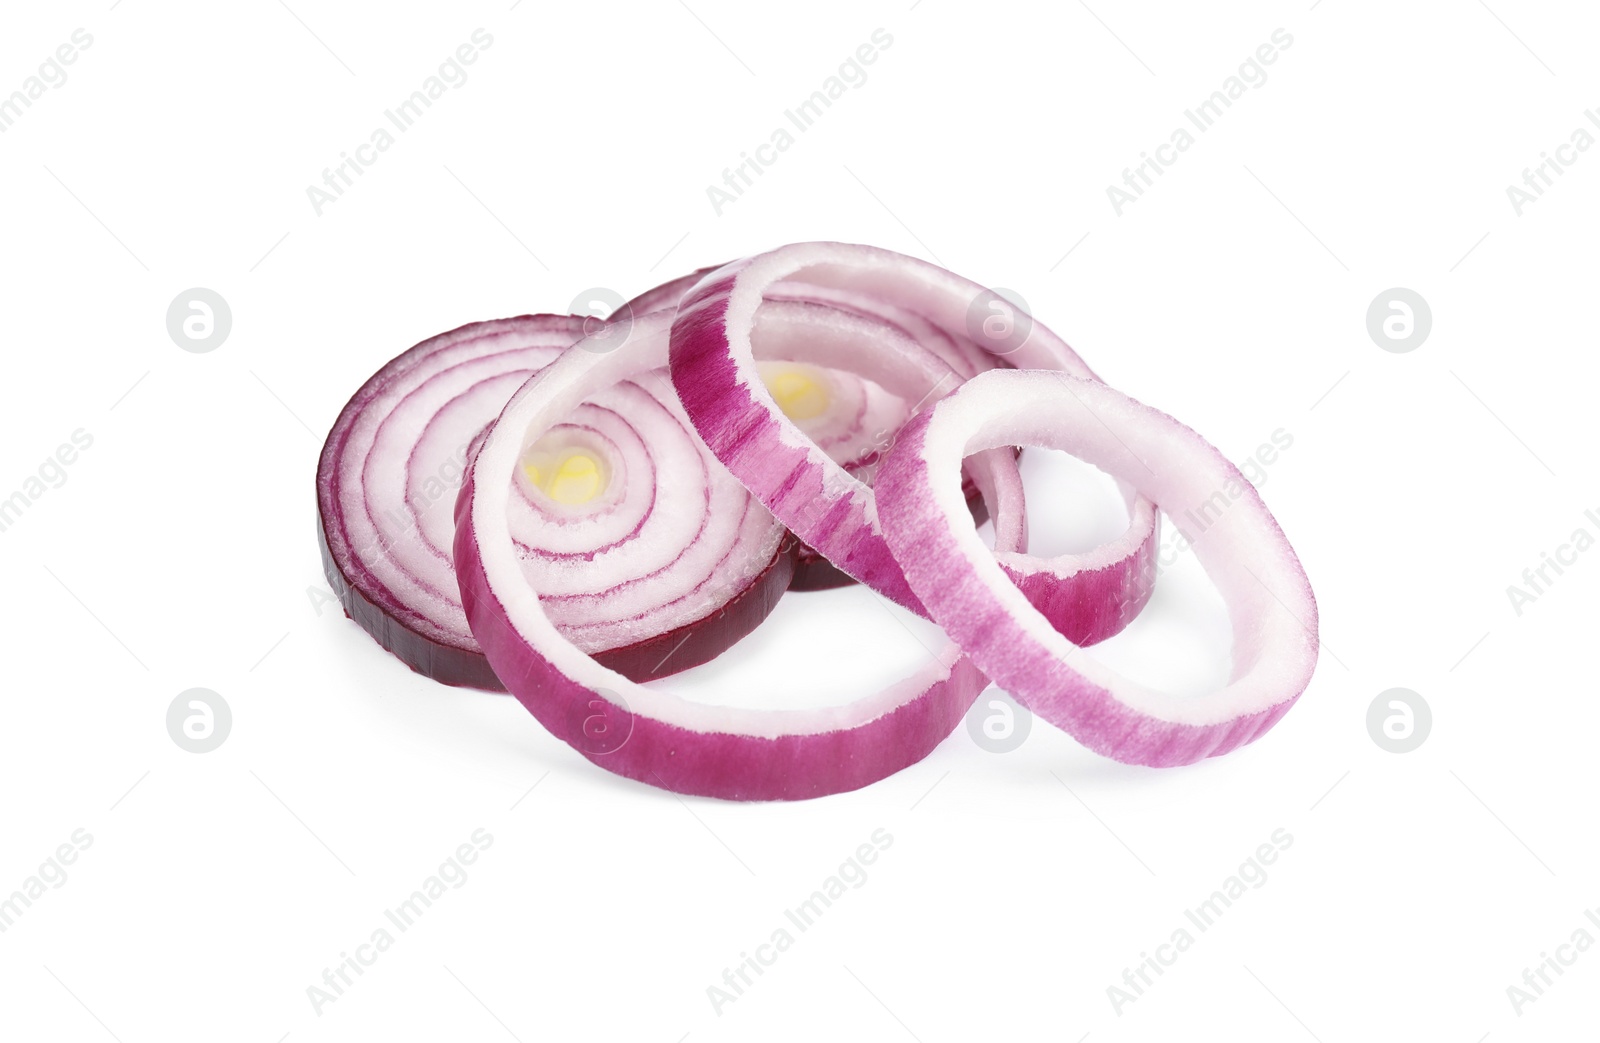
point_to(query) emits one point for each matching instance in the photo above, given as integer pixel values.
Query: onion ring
(1087, 597)
(650, 734)
(1269, 598)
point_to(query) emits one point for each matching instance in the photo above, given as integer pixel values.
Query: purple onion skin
(709, 764)
(1095, 604)
(447, 664)
(814, 572)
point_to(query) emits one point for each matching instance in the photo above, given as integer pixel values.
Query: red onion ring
(1269, 598)
(647, 733)
(1087, 597)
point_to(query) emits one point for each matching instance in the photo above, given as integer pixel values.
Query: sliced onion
(718, 334)
(1269, 599)
(651, 734)
(650, 576)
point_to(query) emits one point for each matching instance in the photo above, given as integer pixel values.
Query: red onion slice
(650, 576)
(1270, 603)
(718, 333)
(651, 734)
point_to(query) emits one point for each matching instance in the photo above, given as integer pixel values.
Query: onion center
(803, 392)
(567, 471)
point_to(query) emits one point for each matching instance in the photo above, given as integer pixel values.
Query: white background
(180, 551)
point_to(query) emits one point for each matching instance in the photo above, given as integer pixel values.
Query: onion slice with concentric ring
(653, 558)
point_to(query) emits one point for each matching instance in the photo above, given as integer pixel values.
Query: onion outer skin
(649, 734)
(448, 664)
(1088, 603)
(814, 572)
(1270, 602)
